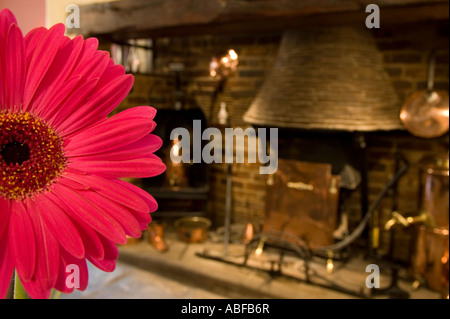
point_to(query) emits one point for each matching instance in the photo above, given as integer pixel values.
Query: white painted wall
(29, 13)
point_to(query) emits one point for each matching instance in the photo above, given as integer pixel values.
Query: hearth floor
(180, 273)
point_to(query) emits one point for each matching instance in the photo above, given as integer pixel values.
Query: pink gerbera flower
(61, 199)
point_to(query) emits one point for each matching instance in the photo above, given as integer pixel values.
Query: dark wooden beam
(165, 18)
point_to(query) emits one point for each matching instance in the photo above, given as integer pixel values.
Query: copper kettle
(425, 113)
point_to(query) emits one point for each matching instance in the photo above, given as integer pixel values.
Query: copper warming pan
(425, 113)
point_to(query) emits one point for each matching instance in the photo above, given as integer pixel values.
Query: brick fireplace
(405, 49)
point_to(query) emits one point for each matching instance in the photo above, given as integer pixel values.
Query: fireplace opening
(340, 149)
(183, 188)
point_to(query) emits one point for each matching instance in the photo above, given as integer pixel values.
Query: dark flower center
(15, 152)
(31, 155)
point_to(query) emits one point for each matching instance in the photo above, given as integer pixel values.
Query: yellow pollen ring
(46, 156)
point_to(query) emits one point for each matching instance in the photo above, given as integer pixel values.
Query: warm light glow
(260, 248)
(232, 54)
(445, 113)
(330, 266)
(223, 66)
(213, 64)
(433, 97)
(176, 148)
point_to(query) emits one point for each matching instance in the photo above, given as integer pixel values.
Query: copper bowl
(193, 229)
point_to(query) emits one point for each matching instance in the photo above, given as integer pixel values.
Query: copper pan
(425, 113)
(193, 229)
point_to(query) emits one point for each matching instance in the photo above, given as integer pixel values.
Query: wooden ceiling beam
(165, 18)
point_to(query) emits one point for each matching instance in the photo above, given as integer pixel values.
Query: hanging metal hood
(327, 79)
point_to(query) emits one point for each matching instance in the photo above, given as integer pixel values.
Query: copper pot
(155, 233)
(430, 258)
(193, 229)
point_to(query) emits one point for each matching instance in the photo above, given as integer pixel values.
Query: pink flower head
(61, 200)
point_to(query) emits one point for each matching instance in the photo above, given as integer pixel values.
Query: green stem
(55, 294)
(19, 291)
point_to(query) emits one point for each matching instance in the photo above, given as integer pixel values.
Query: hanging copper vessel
(425, 113)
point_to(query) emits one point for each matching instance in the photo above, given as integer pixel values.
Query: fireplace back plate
(302, 200)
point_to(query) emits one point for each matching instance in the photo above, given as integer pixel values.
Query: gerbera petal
(137, 202)
(4, 215)
(32, 39)
(48, 46)
(97, 108)
(111, 72)
(94, 67)
(73, 273)
(57, 74)
(6, 261)
(95, 79)
(35, 291)
(150, 201)
(14, 71)
(89, 237)
(91, 240)
(109, 190)
(94, 216)
(123, 191)
(136, 168)
(57, 98)
(22, 240)
(59, 224)
(47, 250)
(85, 59)
(108, 263)
(6, 19)
(142, 218)
(121, 129)
(141, 148)
(64, 105)
(102, 194)
(121, 214)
